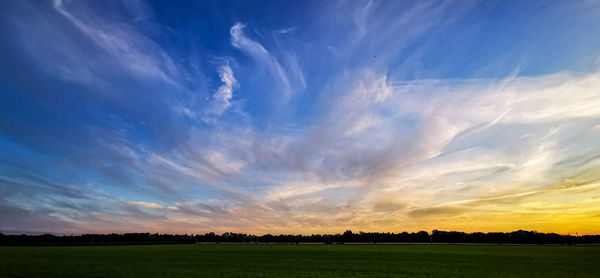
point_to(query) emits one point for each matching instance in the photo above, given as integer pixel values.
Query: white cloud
(265, 59)
(152, 205)
(287, 30)
(223, 163)
(221, 100)
(129, 48)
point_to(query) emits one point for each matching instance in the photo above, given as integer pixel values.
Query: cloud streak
(266, 60)
(132, 50)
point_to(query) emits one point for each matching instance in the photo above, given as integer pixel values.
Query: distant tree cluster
(517, 237)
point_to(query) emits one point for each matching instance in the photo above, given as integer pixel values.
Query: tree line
(516, 237)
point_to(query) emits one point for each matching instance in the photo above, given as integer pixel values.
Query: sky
(299, 116)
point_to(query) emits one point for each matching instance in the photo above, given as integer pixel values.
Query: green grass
(301, 261)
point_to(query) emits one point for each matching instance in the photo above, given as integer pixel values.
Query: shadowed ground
(300, 261)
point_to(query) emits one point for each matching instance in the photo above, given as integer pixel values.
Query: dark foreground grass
(301, 261)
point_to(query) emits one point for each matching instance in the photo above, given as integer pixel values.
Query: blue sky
(299, 116)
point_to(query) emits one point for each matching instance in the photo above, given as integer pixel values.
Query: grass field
(301, 261)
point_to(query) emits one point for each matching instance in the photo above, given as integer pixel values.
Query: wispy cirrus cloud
(222, 98)
(287, 30)
(151, 205)
(268, 61)
(127, 47)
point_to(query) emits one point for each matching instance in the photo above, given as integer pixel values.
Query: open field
(301, 261)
